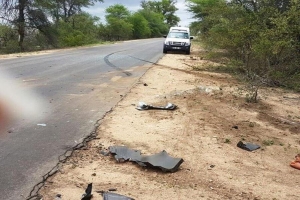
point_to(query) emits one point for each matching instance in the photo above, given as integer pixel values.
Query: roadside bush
(263, 35)
(12, 46)
(81, 29)
(8, 39)
(76, 38)
(140, 26)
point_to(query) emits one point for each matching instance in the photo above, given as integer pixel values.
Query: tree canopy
(166, 7)
(38, 24)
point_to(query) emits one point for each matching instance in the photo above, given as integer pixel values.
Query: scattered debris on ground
(247, 146)
(160, 160)
(144, 106)
(88, 192)
(114, 196)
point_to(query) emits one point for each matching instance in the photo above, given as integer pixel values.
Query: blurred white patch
(41, 124)
(18, 102)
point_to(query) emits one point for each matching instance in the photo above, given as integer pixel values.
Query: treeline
(262, 35)
(27, 25)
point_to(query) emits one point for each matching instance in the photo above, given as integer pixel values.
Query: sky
(133, 5)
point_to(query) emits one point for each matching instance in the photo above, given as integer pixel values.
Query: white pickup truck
(178, 39)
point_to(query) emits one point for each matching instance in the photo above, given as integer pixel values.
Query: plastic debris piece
(41, 124)
(88, 192)
(161, 160)
(123, 153)
(114, 196)
(144, 106)
(247, 146)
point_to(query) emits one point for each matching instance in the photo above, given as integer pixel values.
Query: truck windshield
(183, 35)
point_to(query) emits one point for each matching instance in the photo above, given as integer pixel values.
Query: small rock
(93, 174)
(235, 127)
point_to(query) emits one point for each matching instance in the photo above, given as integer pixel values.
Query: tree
(255, 6)
(118, 25)
(64, 9)
(155, 22)
(14, 12)
(166, 7)
(141, 27)
(168, 10)
(117, 11)
(201, 8)
(119, 29)
(79, 30)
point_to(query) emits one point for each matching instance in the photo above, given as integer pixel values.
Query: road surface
(79, 86)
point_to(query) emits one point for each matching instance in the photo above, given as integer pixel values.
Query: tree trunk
(65, 11)
(21, 23)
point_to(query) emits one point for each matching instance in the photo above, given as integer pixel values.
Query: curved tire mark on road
(106, 60)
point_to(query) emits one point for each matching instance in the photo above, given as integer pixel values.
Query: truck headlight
(187, 44)
(167, 43)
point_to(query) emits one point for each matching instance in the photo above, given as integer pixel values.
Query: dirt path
(200, 131)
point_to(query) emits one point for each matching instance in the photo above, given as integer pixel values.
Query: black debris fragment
(160, 160)
(114, 196)
(163, 161)
(144, 106)
(123, 153)
(88, 192)
(235, 127)
(247, 146)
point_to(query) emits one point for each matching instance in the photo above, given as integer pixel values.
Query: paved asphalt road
(79, 87)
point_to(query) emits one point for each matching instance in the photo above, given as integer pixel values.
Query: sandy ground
(200, 131)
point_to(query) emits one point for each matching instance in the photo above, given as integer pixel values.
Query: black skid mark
(106, 59)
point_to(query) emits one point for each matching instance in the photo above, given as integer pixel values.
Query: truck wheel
(188, 52)
(164, 51)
